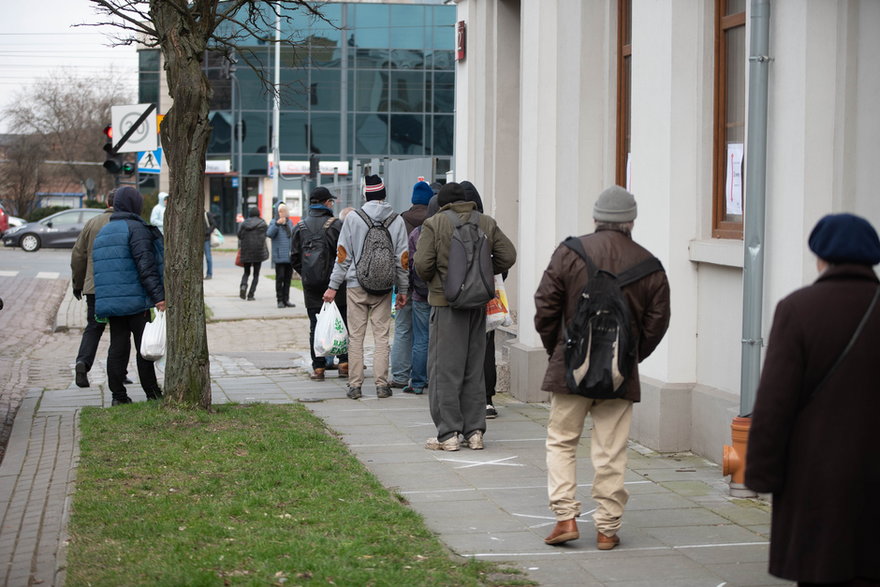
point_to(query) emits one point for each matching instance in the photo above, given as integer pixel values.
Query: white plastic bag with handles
(331, 335)
(153, 338)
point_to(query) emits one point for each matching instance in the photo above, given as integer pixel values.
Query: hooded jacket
(252, 238)
(432, 250)
(128, 260)
(157, 216)
(280, 235)
(350, 246)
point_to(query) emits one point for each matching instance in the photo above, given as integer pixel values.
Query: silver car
(60, 230)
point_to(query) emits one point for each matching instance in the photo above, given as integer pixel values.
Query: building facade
(557, 99)
(374, 82)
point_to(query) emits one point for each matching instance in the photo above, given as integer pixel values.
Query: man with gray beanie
(611, 249)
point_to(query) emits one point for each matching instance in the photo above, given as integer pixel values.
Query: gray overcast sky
(36, 39)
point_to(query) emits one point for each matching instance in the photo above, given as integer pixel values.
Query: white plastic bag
(216, 238)
(498, 310)
(331, 335)
(153, 338)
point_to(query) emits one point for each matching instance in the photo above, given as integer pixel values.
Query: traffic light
(113, 162)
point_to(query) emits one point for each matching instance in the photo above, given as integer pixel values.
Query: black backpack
(470, 282)
(599, 347)
(377, 266)
(317, 258)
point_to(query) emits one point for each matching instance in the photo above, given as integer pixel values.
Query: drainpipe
(753, 249)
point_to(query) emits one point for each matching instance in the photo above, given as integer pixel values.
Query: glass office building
(374, 81)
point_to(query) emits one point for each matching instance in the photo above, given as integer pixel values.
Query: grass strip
(252, 494)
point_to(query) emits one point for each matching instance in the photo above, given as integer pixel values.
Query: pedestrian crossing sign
(150, 161)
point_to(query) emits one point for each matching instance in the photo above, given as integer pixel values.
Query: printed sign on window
(733, 190)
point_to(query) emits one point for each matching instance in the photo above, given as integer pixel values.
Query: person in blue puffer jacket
(128, 260)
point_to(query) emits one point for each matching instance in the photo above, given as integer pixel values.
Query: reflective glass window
(371, 91)
(443, 133)
(253, 95)
(407, 91)
(325, 133)
(326, 88)
(222, 125)
(371, 133)
(294, 130)
(255, 131)
(407, 27)
(371, 25)
(407, 134)
(443, 92)
(295, 91)
(407, 59)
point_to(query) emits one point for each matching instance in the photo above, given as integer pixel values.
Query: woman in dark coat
(812, 446)
(252, 242)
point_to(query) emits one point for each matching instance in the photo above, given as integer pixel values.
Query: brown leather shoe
(606, 542)
(318, 375)
(563, 532)
(343, 369)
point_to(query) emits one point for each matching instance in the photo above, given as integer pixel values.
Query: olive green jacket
(82, 276)
(431, 260)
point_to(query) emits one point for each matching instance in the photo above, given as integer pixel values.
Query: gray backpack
(470, 282)
(377, 265)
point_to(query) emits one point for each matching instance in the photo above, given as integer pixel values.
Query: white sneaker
(475, 442)
(450, 444)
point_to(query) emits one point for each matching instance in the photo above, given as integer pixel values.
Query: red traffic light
(108, 132)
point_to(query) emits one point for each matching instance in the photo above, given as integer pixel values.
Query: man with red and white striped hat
(372, 256)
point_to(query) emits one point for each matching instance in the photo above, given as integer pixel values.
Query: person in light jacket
(812, 442)
(280, 232)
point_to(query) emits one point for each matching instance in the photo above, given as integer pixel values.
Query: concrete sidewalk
(680, 527)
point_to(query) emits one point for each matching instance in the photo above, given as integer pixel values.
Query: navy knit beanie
(845, 238)
(422, 193)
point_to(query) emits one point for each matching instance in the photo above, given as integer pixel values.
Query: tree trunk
(185, 134)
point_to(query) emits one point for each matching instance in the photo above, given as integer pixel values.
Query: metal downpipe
(753, 245)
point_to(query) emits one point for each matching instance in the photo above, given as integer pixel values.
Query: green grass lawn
(247, 495)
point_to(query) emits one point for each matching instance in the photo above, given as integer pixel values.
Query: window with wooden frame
(728, 190)
(624, 90)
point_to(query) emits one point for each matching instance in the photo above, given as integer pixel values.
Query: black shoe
(120, 401)
(354, 393)
(399, 384)
(383, 392)
(82, 375)
(289, 304)
(154, 395)
(280, 304)
(209, 276)
(491, 412)
(250, 298)
(242, 292)
(127, 380)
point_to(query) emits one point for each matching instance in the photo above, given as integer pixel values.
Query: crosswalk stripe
(48, 275)
(8, 273)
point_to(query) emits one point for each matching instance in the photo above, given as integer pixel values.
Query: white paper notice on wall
(733, 189)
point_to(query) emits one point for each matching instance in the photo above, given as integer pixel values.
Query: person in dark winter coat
(128, 264)
(252, 242)
(812, 438)
(490, 373)
(319, 221)
(280, 232)
(457, 337)
(611, 248)
(401, 347)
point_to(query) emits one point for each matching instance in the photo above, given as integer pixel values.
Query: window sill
(725, 252)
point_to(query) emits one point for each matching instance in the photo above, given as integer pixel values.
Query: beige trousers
(364, 307)
(611, 423)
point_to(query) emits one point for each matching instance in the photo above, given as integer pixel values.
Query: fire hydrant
(734, 462)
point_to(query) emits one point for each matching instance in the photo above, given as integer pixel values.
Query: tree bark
(185, 132)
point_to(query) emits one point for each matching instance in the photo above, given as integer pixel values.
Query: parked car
(4, 220)
(60, 230)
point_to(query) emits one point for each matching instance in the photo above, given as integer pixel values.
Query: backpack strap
(575, 244)
(364, 216)
(639, 270)
(328, 223)
(387, 222)
(624, 278)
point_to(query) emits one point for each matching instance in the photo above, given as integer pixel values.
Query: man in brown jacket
(457, 337)
(611, 247)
